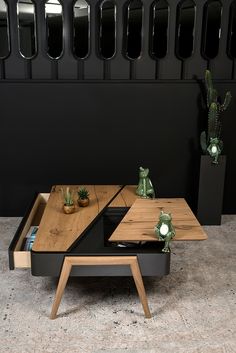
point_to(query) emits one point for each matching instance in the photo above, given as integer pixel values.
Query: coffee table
(113, 236)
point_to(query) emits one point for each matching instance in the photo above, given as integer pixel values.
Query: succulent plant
(213, 132)
(83, 193)
(67, 196)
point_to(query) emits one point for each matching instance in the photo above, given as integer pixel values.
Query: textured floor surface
(194, 308)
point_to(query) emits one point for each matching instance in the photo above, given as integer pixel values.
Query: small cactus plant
(210, 140)
(67, 197)
(83, 197)
(68, 202)
(83, 193)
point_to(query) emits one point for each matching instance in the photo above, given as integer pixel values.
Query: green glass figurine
(145, 188)
(214, 149)
(165, 230)
(211, 142)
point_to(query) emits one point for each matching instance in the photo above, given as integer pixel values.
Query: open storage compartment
(18, 257)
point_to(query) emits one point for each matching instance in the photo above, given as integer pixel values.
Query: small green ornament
(214, 149)
(145, 188)
(165, 230)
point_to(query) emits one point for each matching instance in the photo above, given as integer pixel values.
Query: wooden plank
(57, 230)
(126, 197)
(139, 222)
(22, 259)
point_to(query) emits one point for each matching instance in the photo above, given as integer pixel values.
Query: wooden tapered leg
(65, 272)
(100, 260)
(140, 287)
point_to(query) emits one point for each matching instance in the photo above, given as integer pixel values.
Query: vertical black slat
(15, 64)
(119, 65)
(67, 64)
(145, 65)
(195, 66)
(93, 65)
(41, 64)
(221, 66)
(2, 69)
(234, 69)
(170, 66)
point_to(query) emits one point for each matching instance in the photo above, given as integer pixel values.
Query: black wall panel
(101, 133)
(221, 66)
(15, 64)
(41, 64)
(97, 121)
(196, 65)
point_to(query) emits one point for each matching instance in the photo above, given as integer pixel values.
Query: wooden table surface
(139, 222)
(57, 230)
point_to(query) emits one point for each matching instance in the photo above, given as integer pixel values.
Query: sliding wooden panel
(119, 65)
(170, 66)
(93, 65)
(15, 64)
(145, 65)
(41, 65)
(195, 66)
(221, 66)
(67, 64)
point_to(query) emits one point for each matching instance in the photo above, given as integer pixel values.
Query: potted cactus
(212, 168)
(68, 202)
(211, 142)
(83, 197)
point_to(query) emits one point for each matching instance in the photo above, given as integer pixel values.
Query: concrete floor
(194, 308)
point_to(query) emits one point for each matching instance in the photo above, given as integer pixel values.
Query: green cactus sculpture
(210, 140)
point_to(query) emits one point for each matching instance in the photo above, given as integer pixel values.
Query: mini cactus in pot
(83, 197)
(210, 140)
(68, 202)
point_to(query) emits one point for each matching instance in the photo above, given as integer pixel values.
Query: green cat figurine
(145, 188)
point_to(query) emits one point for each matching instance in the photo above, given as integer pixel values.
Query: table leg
(70, 261)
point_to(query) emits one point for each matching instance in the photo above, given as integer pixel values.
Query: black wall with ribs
(62, 122)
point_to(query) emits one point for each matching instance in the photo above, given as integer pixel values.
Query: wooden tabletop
(139, 222)
(57, 230)
(126, 197)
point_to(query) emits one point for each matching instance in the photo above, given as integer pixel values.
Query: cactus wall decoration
(211, 142)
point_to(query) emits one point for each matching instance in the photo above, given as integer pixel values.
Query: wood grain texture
(57, 230)
(139, 222)
(70, 261)
(126, 197)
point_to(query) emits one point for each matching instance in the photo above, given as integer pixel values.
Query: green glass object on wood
(165, 230)
(212, 135)
(214, 149)
(145, 188)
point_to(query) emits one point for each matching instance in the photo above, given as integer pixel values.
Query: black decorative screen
(109, 39)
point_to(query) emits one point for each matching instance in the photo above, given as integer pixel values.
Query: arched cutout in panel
(4, 30)
(54, 25)
(81, 38)
(159, 28)
(26, 28)
(232, 31)
(185, 28)
(134, 29)
(107, 37)
(212, 28)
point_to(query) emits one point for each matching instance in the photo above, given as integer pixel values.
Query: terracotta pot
(83, 203)
(69, 209)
